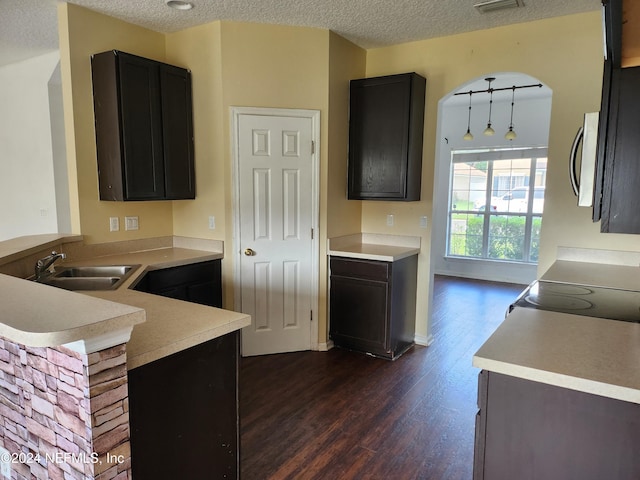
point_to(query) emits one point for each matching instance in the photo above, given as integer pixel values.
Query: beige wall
(232, 64)
(83, 33)
(566, 54)
(200, 50)
(240, 64)
(346, 62)
(341, 216)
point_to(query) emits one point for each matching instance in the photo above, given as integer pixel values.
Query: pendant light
(469, 135)
(489, 131)
(510, 135)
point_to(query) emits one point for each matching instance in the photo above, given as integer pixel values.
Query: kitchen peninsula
(559, 393)
(67, 358)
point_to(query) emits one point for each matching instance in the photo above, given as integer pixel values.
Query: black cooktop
(582, 300)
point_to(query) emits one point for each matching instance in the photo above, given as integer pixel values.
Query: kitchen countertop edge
(92, 311)
(531, 344)
(374, 246)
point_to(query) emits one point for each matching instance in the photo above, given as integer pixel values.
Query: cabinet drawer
(370, 269)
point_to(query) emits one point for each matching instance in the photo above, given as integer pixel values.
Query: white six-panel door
(275, 176)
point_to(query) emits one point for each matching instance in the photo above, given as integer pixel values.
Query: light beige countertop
(587, 354)
(20, 247)
(41, 315)
(148, 260)
(367, 246)
(594, 274)
(172, 325)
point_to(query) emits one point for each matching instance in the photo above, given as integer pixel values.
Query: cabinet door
(603, 128)
(183, 413)
(360, 304)
(205, 293)
(537, 431)
(359, 309)
(177, 132)
(385, 137)
(140, 109)
(613, 31)
(197, 283)
(621, 170)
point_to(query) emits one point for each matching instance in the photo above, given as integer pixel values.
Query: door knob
(249, 253)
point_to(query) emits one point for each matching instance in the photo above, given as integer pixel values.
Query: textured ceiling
(28, 27)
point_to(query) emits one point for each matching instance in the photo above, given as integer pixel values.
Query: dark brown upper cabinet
(144, 128)
(386, 123)
(617, 183)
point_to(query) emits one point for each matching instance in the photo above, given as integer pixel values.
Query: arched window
(489, 189)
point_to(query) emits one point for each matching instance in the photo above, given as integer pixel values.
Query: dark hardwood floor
(345, 415)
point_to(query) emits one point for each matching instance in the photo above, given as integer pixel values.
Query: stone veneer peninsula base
(64, 414)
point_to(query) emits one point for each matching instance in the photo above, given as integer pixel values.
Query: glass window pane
(469, 185)
(540, 181)
(510, 185)
(495, 195)
(465, 235)
(506, 237)
(534, 251)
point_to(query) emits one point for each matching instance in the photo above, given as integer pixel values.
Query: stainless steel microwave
(583, 180)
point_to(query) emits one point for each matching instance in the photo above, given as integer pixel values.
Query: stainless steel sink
(119, 271)
(95, 277)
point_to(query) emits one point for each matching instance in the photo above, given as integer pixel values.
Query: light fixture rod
(490, 90)
(489, 131)
(513, 96)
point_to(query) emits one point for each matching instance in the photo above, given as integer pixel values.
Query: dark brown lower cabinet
(197, 282)
(183, 413)
(373, 305)
(528, 430)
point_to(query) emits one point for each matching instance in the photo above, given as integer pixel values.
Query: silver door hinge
(312, 234)
(313, 147)
(311, 313)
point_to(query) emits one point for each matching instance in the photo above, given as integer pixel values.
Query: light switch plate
(423, 221)
(131, 223)
(114, 224)
(212, 222)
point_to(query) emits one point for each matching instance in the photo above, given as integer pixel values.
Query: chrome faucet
(43, 264)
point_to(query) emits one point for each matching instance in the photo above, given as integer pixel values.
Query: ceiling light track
(490, 90)
(489, 131)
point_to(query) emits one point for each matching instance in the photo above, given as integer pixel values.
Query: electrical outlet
(114, 224)
(5, 463)
(212, 222)
(131, 223)
(389, 220)
(423, 221)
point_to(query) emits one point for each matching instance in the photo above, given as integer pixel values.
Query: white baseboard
(325, 347)
(424, 341)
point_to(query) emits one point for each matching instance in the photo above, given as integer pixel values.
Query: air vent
(493, 5)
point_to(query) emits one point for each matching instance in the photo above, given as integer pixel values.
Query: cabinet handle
(249, 253)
